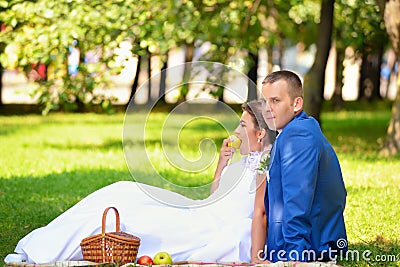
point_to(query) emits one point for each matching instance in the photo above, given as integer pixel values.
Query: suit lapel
(271, 161)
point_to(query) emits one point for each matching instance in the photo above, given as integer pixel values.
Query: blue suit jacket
(305, 196)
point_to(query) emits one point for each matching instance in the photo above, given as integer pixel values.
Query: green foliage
(358, 24)
(306, 15)
(42, 31)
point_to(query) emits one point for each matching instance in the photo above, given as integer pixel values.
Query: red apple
(145, 260)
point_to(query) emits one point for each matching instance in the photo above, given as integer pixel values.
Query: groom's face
(278, 109)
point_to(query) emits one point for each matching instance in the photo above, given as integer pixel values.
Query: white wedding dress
(219, 231)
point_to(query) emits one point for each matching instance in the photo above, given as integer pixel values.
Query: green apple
(162, 258)
(235, 142)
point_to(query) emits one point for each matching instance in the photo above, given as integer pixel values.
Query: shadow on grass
(16, 127)
(110, 144)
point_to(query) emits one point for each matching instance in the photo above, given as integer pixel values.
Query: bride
(219, 231)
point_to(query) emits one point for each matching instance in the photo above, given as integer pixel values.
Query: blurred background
(66, 65)
(79, 55)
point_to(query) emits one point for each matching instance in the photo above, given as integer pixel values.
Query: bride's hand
(225, 154)
(257, 260)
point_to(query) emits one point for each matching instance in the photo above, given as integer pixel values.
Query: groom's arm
(299, 168)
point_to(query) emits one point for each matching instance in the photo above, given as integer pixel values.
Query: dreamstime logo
(365, 255)
(154, 144)
(341, 243)
(342, 253)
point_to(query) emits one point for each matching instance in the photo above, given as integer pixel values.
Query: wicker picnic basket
(116, 247)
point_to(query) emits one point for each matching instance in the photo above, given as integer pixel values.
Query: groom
(305, 197)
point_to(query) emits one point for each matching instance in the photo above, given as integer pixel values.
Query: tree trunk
(135, 80)
(184, 90)
(370, 74)
(281, 50)
(163, 79)
(315, 78)
(365, 83)
(252, 82)
(270, 62)
(391, 145)
(2, 47)
(1, 84)
(376, 94)
(337, 98)
(148, 63)
(80, 102)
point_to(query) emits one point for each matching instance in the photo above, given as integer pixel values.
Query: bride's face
(247, 133)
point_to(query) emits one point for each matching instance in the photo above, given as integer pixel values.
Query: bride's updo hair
(254, 108)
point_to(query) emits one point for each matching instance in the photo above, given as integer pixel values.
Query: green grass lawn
(49, 163)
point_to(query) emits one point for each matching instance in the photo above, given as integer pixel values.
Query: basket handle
(117, 222)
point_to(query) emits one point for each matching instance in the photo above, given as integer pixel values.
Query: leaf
(3, 4)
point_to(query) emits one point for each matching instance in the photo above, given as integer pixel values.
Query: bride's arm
(259, 223)
(225, 155)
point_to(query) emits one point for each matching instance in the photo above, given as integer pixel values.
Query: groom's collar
(302, 114)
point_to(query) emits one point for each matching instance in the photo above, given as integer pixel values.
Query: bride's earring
(259, 140)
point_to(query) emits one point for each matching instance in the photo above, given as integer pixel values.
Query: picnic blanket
(177, 264)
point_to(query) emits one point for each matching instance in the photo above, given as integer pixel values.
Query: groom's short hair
(295, 86)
